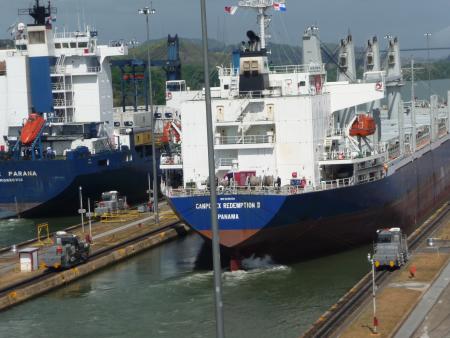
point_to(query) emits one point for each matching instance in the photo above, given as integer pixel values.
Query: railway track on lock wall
(97, 254)
(327, 324)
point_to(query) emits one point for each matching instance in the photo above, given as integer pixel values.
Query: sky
(118, 19)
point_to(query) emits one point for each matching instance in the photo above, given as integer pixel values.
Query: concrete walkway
(421, 312)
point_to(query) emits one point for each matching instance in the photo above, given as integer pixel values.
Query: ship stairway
(59, 66)
(243, 108)
(243, 128)
(234, 84)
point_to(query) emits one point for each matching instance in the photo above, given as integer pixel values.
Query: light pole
(147, 11)
(427, 36)
(374, 288)
(220, 331)
(81, 211)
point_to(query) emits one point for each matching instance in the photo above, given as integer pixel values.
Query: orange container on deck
(31, 129)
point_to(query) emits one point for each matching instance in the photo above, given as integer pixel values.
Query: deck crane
(134, 72)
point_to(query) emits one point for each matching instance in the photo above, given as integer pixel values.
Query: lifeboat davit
(363, 126)
(31, 129)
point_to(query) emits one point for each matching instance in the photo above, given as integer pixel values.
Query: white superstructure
(78, 77)
(288, 126)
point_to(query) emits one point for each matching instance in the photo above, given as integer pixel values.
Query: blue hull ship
(299, 225)
(50, 186)
(58, 128)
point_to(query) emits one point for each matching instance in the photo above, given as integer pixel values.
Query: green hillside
(220, 54)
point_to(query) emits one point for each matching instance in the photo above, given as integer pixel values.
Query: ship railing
(442, 127)
(223, 71)
(60, 86)
(225, 162)
(339, 183)
(239, 190)
(423, 138)
(82, 70)
(62, 103)
(335, 132)
(70, 35)
(168, 160)
(394, 150)
(286, 69)
(247, 139)
(339, 155)
(306, 68)
(262, 190)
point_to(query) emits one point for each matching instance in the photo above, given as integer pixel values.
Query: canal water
(161, 293)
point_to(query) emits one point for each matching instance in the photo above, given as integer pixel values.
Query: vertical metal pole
(149, 189)
(448, 113)
(90, 219)
(427, 35)
(212, 183)
(152, 125)
(375, 320)
(401, 127)
(81, 208)
(413, 110)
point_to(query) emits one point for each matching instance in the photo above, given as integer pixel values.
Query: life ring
(378, 86)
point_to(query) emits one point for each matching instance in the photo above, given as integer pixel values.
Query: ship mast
(39, 12)
(263, 19)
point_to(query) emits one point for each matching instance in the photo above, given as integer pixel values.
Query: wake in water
(255, 267)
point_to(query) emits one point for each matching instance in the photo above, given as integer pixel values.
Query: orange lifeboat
(168, 131)
(363, 126)
(31, 129)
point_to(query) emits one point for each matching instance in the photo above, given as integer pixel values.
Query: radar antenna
(263, 19)
(39, 12)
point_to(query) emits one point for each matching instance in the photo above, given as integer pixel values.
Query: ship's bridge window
(246, 65)
(65, 45)
(255, 65)
(302, 83)
(73, 45)
(57, 45)
(36, 37)
(82, 44)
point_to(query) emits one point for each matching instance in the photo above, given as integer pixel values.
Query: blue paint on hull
(310, 224)
(50, 187)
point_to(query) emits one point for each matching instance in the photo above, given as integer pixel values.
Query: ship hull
(310, 224)
(46, 188)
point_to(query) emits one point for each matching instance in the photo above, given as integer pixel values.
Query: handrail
(263, 190)
(247, 139)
